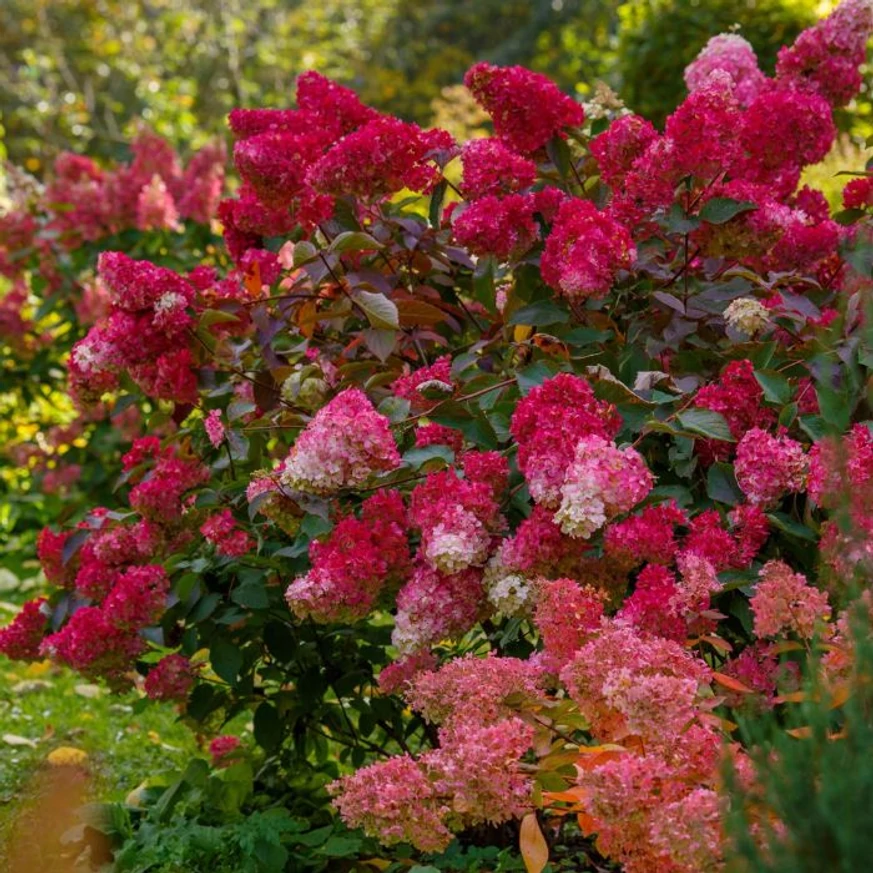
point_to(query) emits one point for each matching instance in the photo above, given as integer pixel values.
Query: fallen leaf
(534, 849)
(67, 756)
(15, 740)
(89, 691)
(31, 686)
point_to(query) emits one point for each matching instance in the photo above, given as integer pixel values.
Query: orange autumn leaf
(732, 684)
(252, 279)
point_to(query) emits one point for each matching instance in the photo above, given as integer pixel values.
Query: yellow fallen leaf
(37, 668)
(67, 756)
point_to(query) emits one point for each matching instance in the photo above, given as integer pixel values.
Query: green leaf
(849, 216)
(559, 154)
(354, 241)
(267, 726)
(340, 846)
(251, 594)
(216, 316)
(272, 857)
(380, 311)
(304, 252)
(532, 375)
(721, 485)
(226, 660)
(790, 526)
(719, 210)
(418, 457)
(776, 387)
(678, 222)
(380, 342)
(541, 313)
(435, 209)
(814, 426)
(707, 423)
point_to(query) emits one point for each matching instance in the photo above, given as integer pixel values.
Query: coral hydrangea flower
(785, 602)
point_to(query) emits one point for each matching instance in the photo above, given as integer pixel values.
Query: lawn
(54, 726)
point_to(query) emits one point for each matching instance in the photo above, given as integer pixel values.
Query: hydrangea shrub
(498, 477)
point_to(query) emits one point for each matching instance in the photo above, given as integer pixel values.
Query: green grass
(44, 708)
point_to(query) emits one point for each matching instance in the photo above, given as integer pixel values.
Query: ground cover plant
(495, 482)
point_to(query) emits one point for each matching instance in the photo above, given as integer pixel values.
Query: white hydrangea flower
(747, 315)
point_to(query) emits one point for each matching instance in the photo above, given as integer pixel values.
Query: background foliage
(79, 72)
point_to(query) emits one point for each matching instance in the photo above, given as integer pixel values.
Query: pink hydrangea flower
(547, 425)
(457, 518)
(224, 750)
(396, 677)
(767, 467)
(155, 208)
(732, 54)
(214, 428)
(433, 606)
(472, 689)
(784, 602)
(602, 482)
(625, 684)
(395, 802)
(473, 778)
(345, 444)
(566, 615)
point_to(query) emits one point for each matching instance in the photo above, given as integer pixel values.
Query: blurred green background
(78, 73)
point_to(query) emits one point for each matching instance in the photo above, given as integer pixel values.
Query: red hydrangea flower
(499, 226)
(490, 168)
(620, 145)
(381, 158)
(585, 251)
(527, 108)
(20, 640)
(437, 375)
(355, 564)
(827, 56)
(739, 398)
(170, 679)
